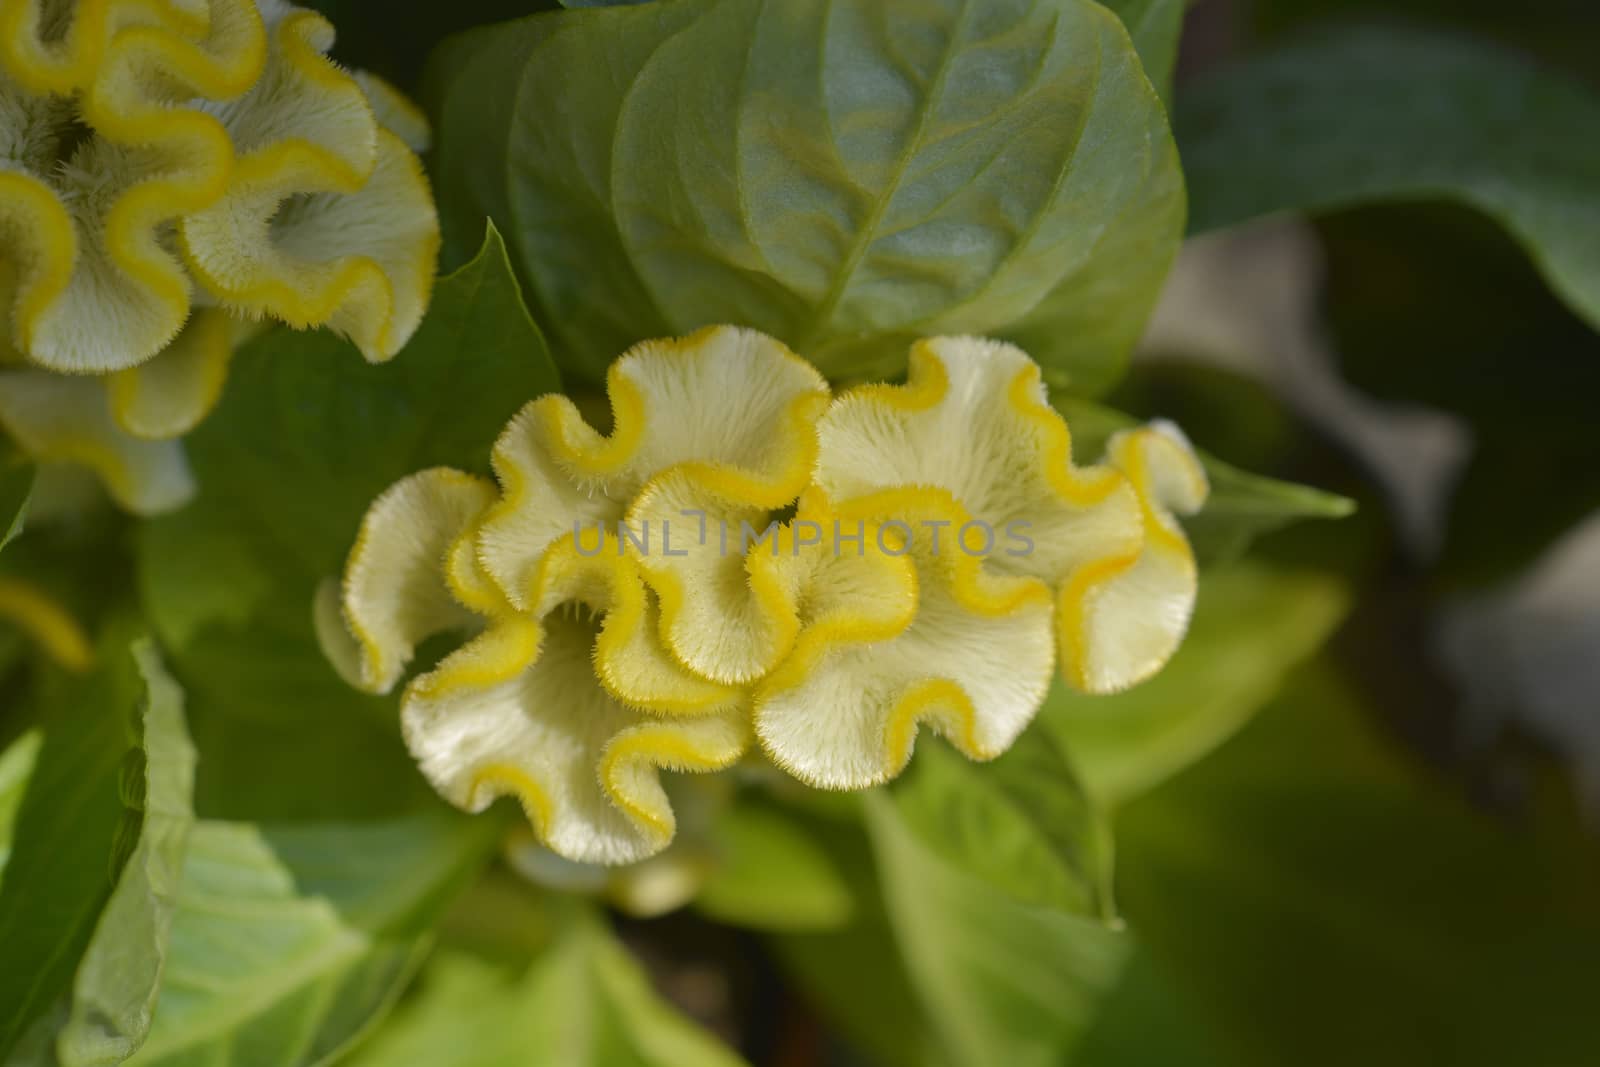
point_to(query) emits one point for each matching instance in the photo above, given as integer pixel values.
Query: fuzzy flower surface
(171, 174)
(746, 561)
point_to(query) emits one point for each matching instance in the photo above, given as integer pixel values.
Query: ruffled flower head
(575, 693)
(168, 172)
(743, 557)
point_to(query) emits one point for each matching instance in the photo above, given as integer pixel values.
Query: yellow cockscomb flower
(169, 172)
(742, 556)
(574, 695)
(1019, 556)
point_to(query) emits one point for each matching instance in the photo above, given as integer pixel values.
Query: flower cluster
(169, 174)
(872, 600)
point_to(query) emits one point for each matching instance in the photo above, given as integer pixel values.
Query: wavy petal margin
(520, 712)
(1121, 620)
(134, 71)
(58, 419)
(395, 592)
(728, 414)
(906, 633)
(973, 420)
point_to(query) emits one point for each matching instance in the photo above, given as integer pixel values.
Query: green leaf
(290, 940)
(1022, 823)
(306, 436)
(95, 812)
(854, 975)
(1386, 113)
(114, 993)
(1327, 899)
(1253, 623)
(1242, 506)
(70, 837)
(770, 874)
(16, 485)
(1005, 982)
(582, 1002)
(16, 767)
(997, 168)
(1155, 26)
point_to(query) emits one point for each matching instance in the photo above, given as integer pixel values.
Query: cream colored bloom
(166, 170)
(572, 696)
(1019, 556)
(740, 555)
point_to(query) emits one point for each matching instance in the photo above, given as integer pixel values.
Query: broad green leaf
(1253, 624)
(996, 168)
(114, 992)
(306, 436)
(70, 836)
(1367, 114)
(771, 874)
(16, 484)
(1006, 982)
(1323, 896)
(94, 815)
(1155, 26)
(1022, 823)
(583, 1002)
(1241, 507)
(290, 940)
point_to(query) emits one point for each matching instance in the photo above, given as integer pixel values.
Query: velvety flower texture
(169, 174)
(745, 560)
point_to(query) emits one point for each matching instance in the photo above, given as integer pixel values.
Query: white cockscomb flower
(170, 174)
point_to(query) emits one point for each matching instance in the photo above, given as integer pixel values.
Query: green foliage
(114, 993)
(1326, 898)
(290, 939)
(1242, 506)
(1155, 26)
(238, 863)
(1021, 823)
(581, 1002)
(1253, 623)
(16, 485)
(1000, 981)
(97, 813)
(1392, 114)
(1003, 168)
(855, 975)
(770, 874)
(306, 437)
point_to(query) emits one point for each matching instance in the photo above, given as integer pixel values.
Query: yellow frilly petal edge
(630, 662)
(331, 224)
(520, 712)
(719, 425)
(395, 592)
(731, 407)
(60, 419)
(973, 420)
(895, 636)
(1119, 621)
(134, 67)
(169, 395)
